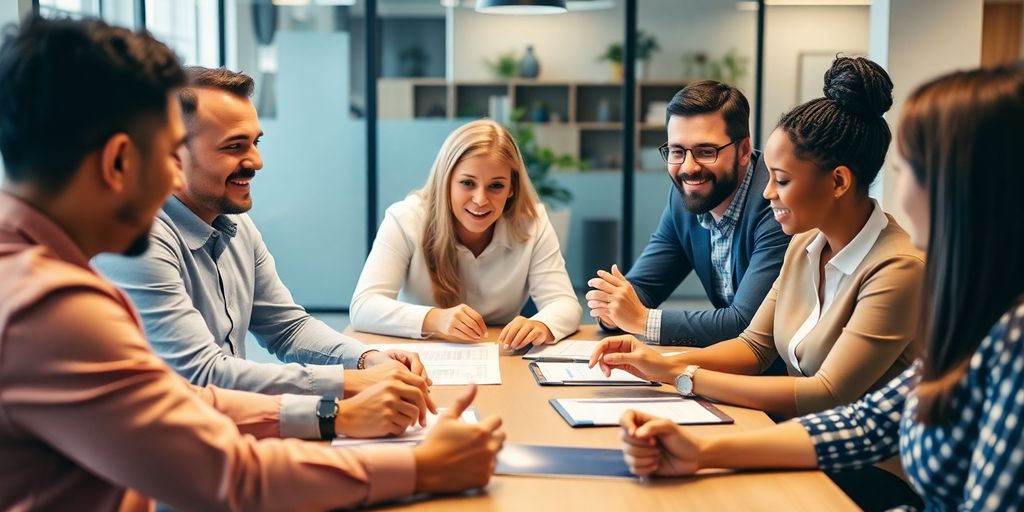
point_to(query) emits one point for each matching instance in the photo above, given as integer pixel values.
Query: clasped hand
(615, 303)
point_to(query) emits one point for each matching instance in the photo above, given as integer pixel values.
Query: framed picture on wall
(810, 71)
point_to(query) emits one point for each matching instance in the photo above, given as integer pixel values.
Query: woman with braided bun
(840, 312)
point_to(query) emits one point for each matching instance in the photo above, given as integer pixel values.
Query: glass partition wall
(556, 80)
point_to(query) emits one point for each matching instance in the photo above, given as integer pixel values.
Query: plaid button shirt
(721, 238)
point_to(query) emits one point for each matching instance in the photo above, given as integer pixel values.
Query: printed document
(455, 364)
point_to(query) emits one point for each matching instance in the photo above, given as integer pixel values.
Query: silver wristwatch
(684, 382)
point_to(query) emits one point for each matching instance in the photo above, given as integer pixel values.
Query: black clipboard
(533, 460)
(722, 418)
(538, 375)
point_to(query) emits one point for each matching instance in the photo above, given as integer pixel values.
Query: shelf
(589, 113)
(599, 126)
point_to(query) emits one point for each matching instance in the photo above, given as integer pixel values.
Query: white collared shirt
(394, 292)
(838, 269)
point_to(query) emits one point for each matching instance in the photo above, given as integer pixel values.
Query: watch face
(684, 385)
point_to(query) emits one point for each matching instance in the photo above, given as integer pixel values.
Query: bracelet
(361, 364)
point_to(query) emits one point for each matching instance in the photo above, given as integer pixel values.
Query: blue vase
(528, 66)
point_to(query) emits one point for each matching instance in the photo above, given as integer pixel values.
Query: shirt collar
(500, 239)
(194, 231)
(735, 209)
(848, 259)
(23, 222)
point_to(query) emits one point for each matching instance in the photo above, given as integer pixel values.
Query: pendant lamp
(520, 6)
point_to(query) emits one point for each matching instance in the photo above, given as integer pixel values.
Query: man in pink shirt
(90, 418)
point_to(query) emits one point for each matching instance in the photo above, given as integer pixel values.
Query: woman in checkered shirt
(954, 416)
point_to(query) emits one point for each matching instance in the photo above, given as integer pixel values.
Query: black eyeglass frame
(663, 151)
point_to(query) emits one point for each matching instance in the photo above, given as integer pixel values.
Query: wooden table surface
(529, 419)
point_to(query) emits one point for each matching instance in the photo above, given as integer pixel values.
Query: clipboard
(544, 380)
(561, 461)
(687, 411)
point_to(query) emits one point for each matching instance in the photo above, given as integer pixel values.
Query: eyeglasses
(702, 154)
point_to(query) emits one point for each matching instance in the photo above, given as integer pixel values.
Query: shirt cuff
(298, 417)
(391, 471)
(327, 380)
(652, 333)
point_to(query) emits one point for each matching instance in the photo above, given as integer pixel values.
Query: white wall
(791, 31)
(916, 40)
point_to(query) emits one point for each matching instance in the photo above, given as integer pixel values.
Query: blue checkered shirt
(721, 238)
(974, 461)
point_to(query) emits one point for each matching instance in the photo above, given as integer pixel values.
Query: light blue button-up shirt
(200, 288)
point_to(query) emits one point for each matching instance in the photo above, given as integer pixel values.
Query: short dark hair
(845, 127)
(239, 84)
(707, 96)
(67, 86)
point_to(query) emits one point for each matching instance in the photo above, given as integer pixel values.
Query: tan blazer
(864, 337)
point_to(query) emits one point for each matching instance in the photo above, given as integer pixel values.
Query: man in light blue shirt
(208, 279)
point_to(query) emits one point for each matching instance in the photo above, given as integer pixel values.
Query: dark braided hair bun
(846, 126)
(858, 86)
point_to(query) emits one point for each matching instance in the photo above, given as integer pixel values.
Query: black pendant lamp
(520, 6)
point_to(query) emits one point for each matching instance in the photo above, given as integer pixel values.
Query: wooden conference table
(529, 419)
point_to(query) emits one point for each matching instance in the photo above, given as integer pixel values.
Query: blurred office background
(556, 79)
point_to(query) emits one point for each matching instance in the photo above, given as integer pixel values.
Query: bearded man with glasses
(716, 224)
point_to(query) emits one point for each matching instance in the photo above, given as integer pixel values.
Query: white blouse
(841, 266)
(394, 292)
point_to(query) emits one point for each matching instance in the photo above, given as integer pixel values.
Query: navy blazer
(681, 245)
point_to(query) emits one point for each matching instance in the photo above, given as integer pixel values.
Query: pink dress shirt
(91, 419)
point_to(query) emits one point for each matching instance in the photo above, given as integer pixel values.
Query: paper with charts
(566, 350)
(412, 435)
(455, 364)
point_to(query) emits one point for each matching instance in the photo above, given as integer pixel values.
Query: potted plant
(646, 46)
(539, 161)
(505, 67)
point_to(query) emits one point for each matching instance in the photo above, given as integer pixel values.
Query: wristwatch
(326, 412)
(684, 382)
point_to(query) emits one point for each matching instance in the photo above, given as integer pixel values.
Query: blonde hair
(481, 137)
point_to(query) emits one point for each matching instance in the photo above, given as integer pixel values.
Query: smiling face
(801, 194)
(480, 188)
(705, 186)
(221, 157)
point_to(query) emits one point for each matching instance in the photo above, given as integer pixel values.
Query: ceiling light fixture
(519, 7)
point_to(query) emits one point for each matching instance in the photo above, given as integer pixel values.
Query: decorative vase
(616, 71)
(528, 66)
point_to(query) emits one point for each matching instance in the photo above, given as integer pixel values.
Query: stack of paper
(455, 364)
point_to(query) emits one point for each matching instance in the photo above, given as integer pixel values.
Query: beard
(225, 205)
(130, 214)
(138, 246)
(720, 189)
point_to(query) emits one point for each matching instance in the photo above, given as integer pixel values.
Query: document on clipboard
(563, 373)
(604, 412)
(565, 350)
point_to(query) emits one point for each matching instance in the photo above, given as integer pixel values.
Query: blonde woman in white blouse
(466, 251)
